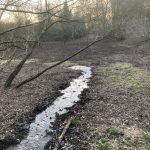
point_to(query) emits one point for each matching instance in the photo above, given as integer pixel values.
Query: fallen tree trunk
(53, 66)
(63, 133)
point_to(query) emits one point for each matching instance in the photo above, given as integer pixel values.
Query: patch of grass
(147, 136)
(50, 63)
(124, 76)
(3, 62)
(127, 138)
(68, 64)
(105, 146)
(125, 141)
(31, 61)
(65, 64)
(104, 140)
(16, 61)
(115, 131)
(76, 122)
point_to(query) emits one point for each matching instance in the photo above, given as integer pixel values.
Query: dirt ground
(20, 106)
(117, 117)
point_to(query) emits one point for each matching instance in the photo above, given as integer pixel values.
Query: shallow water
(37, 137)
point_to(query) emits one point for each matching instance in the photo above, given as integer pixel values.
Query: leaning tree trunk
(59, 63)
(20, 65)
(16, 71)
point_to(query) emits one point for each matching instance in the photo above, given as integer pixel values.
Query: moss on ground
(125, 76)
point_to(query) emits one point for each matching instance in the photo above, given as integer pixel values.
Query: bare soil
(20, 106)
(116, 115)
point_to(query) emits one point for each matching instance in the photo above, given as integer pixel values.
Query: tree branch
(32, 12)
(35, 23)
(20, 65)
(57, 64)
(22, 26)
(68, 123)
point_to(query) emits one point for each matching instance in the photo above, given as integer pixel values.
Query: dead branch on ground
(60, 138)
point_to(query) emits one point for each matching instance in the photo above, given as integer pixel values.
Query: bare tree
(55, 65)
(46, 24)
(115, 18)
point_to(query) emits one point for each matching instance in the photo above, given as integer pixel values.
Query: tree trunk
(16, 71)
(20, 65)
(55, 65)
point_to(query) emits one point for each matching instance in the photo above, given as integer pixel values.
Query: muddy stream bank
(40, 129)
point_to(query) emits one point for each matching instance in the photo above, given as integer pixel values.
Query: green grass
(105, 146)
(65, 64)
(147, 136)
(104, 140)
(76, 122)
(115, 131)
(124, 76)
(125, 141)
(16, 61)
(31, 61)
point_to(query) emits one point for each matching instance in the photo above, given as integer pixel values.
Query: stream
(37, 137)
